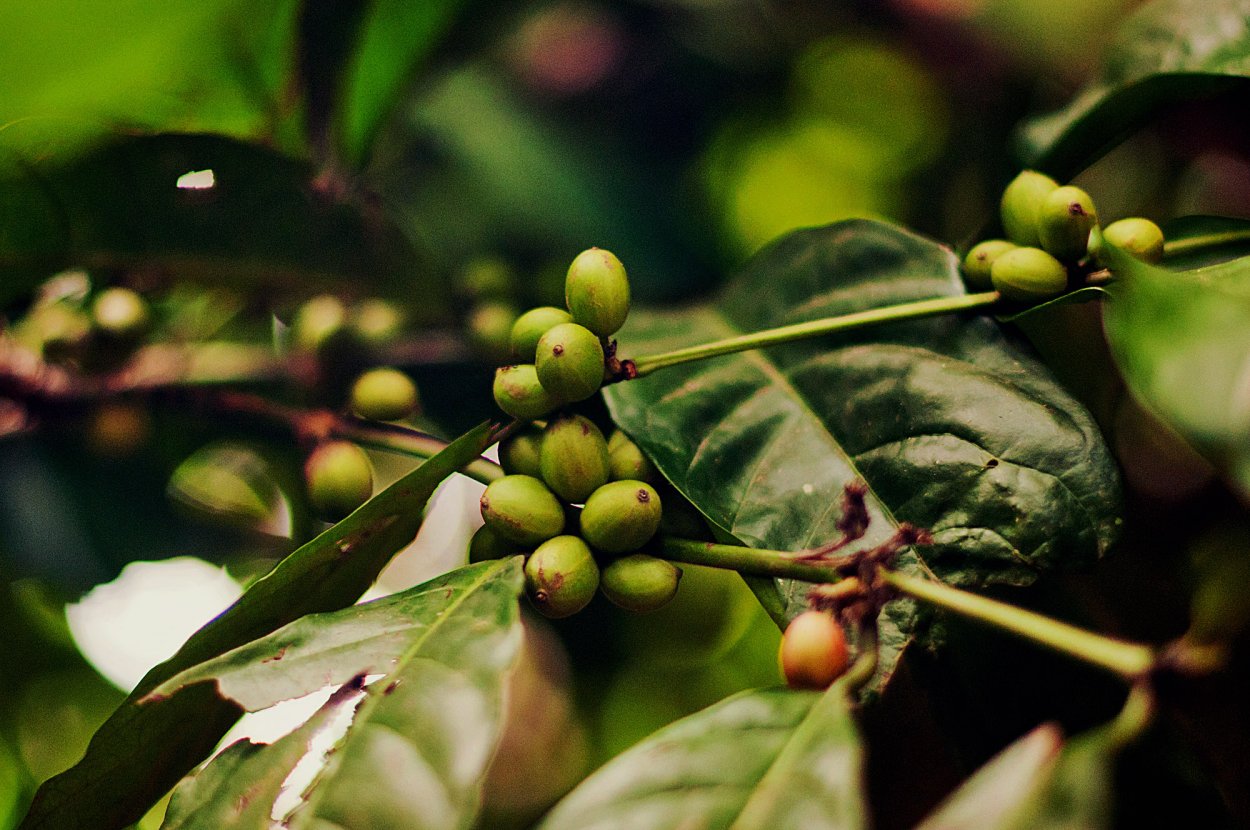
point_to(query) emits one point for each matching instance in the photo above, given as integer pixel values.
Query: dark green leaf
(1182, 341)
(141, 751)
(1199, 241)
(761, 759)
(1167, 52)
(1089, 294)
(952, 427)
(263, 224)
(421, 739)
(1040, 782)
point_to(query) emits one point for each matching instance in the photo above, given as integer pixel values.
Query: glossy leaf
(263, 224)
(953, 427)
(141, 751)
(1041, 782)
(1199, 241)
(1182, 341)
(761, 759)
(1167, 52)
(421, 739)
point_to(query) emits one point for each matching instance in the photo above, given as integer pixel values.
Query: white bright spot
(197, 180)
(808, 489)
(443, 542)
(127, 626)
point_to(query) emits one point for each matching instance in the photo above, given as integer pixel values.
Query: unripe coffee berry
(1064, 221)
(384, 395)
(621, 516)
(561, 576)
(532, 325)
(574, 458)
(518, 392)
(1138, 237)
(339, 479)
(120, 313)
(522, 510)
(318, 320)
(1028, 275)
(980, 260)
(519, 453)
(376, 322)
(1020, 203)
(626, 461)
(596, 291)
(486, 544)
(640, 582)
(490, 325)
(813, 651)
(570, 362)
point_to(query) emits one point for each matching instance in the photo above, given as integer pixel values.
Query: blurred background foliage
(452, 156)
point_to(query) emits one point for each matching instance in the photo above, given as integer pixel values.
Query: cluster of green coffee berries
(560, 354)
(813, 651)
(1049, 229)
(325, 321)
(573, 551)
(89, 331)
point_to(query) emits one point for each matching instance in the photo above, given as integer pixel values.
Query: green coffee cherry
(596, 291)
(980, 259)
(574, 458)
(121, 314)
(1139, 237)
(1028, 275)
(490, 324)
(813, 651)
(561, 576)
(63, 331)
(486, 544)
(487, 278)
(522, 510)
(1064, 221)
(518, 392)
(376, 322)
(519, 452)
(570, 362)
(621, 516)
(384, 395)
(640, 582)
(532, 325)
(1021, 201)
(339, 479)
(317, 321)
(626, 461)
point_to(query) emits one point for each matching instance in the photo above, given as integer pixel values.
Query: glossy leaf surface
(1199, 241)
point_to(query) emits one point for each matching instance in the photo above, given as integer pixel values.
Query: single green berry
(1021, 201)
(561, 576)
(522, 510)
(1028, 275)
(518, 392)
(490, 325)
(626, 461)
(519, 452)
(1064, 221)
(574, 458)
(376, 322)
(487, 278)
(570, 362)
(621, 516)
(980, 259)
(339, 479)
(486, 544)
(596, 290)
(63, 331)
(1139, 237)
(640, 582)
(532, 325)
(384, 394)
(120, 313)
(317, 320)
(813, 651)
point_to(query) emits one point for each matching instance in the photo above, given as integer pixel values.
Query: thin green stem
(865, 665)
(1135, 716)
(1207, 240)
(1129, 660)
(816, 328)
(752, 561)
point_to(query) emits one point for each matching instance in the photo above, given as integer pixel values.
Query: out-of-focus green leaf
(75, 70)
(394, 38)
(1182, 341)
(761, 759)
(1199, 241)
(227, 481)
(953, 428)
(263, 224)
(421, 739)
(141, 751)
(1169, 51)
(1040, 782)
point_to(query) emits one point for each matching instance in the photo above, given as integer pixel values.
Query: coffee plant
(933, 528)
